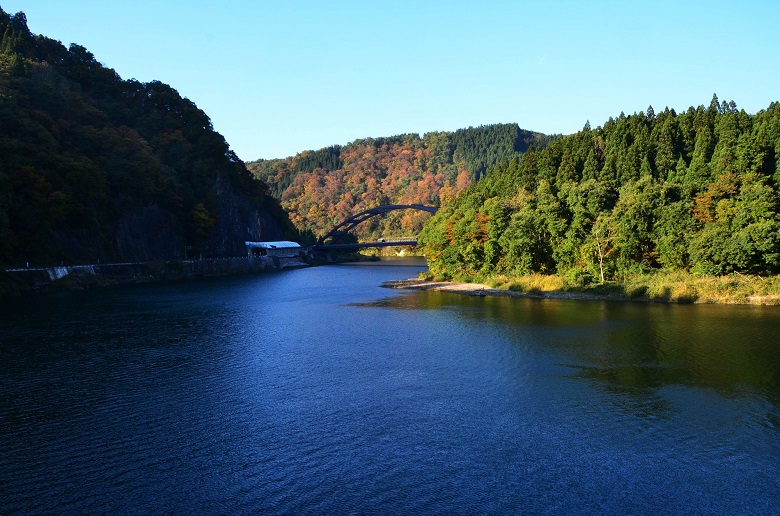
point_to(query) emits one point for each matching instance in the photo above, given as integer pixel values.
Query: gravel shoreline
(480, 290)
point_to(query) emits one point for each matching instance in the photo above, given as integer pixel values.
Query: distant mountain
(93, 167)
(323, 187)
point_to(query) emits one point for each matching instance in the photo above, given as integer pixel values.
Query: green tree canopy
(693, 191)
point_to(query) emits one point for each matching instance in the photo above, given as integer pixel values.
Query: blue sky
(277, 78)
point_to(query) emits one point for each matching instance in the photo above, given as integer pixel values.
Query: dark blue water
(316, 391)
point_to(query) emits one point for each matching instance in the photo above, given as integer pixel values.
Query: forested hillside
(321, 188)
(93, 167)
(694, 191)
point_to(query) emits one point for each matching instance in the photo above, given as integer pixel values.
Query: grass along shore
(657, 286)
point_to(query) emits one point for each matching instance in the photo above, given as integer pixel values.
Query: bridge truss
(347, 225)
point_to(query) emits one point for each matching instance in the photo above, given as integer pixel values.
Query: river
(317, 391)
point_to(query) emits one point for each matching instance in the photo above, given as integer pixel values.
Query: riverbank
(14, 282)
(677, 288)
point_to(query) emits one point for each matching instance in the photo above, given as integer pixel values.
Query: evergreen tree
(694, 191)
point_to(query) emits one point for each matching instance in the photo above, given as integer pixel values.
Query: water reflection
(631, 347)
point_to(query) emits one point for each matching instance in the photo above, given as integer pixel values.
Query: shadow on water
(631, 348)
(418, 262)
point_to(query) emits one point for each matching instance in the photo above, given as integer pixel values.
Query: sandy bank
(477, 289)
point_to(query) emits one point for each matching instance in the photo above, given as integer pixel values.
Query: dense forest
(321, 188)
(93, 167)
(694, 191)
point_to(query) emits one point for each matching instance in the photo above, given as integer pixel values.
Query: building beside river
(281, 249)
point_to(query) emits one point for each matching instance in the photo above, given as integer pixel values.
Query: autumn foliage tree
(321, 188)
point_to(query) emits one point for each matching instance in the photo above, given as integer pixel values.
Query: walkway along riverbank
(77, 277)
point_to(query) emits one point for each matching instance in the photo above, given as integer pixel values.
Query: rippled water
(316, 391)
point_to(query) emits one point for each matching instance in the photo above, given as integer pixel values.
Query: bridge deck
(363, 245)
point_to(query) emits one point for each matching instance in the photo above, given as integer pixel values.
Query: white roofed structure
(280, 248)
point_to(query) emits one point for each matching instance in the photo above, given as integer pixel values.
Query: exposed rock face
(151, 233)
(238, 221)
(148, 234)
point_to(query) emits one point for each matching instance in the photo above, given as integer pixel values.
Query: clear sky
(279, 77)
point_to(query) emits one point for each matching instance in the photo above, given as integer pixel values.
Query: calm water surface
(316, 391)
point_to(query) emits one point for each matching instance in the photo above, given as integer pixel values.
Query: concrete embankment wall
(83, 276)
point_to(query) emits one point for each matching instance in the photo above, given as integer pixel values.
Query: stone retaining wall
(82, 276)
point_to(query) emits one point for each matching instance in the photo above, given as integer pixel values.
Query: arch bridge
(347, 225)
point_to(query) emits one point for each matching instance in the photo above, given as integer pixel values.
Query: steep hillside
(93, 167)
(321, 188)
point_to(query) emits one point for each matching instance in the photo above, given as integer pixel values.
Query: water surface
(316, 391)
